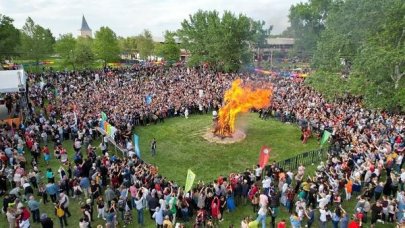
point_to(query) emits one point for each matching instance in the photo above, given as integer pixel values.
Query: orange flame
(236, 100)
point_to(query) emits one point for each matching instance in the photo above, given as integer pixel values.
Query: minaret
(85, 31)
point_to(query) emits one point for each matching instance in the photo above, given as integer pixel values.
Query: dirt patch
(238, 136)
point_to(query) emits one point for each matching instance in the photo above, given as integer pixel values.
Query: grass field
(181, 146)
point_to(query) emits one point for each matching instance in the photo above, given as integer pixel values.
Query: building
(280, 44)
(85, 31)
(276, 48)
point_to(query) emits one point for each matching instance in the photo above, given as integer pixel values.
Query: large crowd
(365, 161)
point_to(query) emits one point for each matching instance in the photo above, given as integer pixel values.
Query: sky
(131, 17)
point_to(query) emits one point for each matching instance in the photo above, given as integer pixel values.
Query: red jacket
(354, 224)
(25, 214)
(215, 208)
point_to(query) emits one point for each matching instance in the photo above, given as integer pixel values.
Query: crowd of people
(365, 161)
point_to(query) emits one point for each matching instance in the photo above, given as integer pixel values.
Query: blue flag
(136, 146)
(148, 99)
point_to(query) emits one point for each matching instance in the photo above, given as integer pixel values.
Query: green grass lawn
(180, 146)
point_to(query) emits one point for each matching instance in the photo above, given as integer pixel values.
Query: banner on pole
(103, 116)
(264, 156)
(189, 180)
(136, 146)
(325, 137)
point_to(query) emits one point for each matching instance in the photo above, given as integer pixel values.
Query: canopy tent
(11, 80)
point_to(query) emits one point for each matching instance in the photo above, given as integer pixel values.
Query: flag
(148, 99)
(325, 136)
(113, 131)
(136, 146)
(103, 116)
(264, 156)
(109, 130)
(105, 126)
(189, 180)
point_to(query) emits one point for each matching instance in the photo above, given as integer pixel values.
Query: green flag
(189, 180)
(103, 116)
(325, 137)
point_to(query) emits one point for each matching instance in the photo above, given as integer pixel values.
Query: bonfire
(239, 98)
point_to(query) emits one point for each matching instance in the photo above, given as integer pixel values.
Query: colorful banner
(103, 116)
(261, 71)
(108, 129)
(148, 99)
(264, 156)
(136, 146)
(189, 180)
(325, 137)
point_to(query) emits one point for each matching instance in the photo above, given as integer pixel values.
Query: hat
(44, 216)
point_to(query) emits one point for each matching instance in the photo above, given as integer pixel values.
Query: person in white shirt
(258, 173)
(398, 162)
(186, 113)
(323, 220)
(323, 200)
(266, 184)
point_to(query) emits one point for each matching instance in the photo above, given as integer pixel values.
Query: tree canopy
(106, 45)
(361, 50)
(65, 47)
(36, 41)
(9, 37)
(145, 44)
(222, 42)
(169, 50)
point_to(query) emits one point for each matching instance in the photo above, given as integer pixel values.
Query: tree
(307, 22)
(84, 55)
(9, 37)
(106, 45)
(145, 44)
(369, 54)
(170, 50)
(260, 37)
(65, 46)
(221, 42)
(128, 45)
(36, 41)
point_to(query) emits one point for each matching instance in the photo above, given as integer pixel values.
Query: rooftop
(85, 26)
(280, 41)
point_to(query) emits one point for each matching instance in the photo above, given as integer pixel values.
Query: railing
(306, 158)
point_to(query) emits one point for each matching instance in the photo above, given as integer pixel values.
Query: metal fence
(306, 158)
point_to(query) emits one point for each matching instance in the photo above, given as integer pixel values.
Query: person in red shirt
(355, 223)
(281, 224)
(359, 214)
(215, 213)
(47, 156)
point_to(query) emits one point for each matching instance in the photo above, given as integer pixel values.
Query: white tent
(11, 80)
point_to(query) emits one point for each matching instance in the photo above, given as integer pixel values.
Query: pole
(271, 58)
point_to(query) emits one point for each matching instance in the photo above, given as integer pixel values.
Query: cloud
(131, 17)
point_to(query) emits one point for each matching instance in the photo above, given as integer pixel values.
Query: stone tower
(85, 31)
